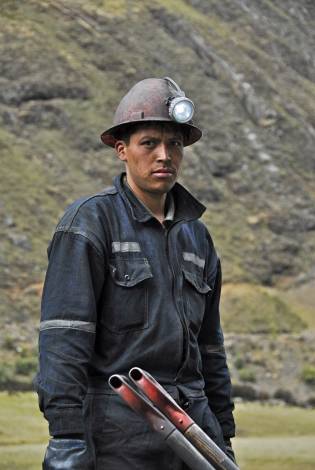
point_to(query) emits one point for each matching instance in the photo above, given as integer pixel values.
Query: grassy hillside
(254, 309)
(249, 68)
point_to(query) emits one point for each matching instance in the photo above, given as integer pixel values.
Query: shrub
(6, 374)
(285, 395)
(245, 391)
(308, 374)
(239, 362)
(26, 365)
(311, 401)
(247, 375)
(9, 343)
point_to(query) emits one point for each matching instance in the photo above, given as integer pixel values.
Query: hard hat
(154, 99)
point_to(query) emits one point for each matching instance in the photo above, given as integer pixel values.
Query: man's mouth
(163, 172)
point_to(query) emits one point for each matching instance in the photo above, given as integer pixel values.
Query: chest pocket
(126, 296)
(195, 290)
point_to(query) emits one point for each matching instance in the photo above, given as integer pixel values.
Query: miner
(133, 280)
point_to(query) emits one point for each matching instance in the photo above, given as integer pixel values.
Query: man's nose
(163, 152)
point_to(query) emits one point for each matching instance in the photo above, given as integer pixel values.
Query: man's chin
(162, 187)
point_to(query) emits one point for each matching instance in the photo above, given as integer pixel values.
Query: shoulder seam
(104, 193)
(81, 234)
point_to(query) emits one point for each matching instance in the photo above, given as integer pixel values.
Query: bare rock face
(31, 71)
(33, 89)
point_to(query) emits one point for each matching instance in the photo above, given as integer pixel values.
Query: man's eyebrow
(150, 136)
(171, 136)
(176, 136)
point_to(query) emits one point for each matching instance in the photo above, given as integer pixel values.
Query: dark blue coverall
(123, 290)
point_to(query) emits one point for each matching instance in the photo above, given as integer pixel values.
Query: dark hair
(126, 130)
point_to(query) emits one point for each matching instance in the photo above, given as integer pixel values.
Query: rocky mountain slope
(249, 66)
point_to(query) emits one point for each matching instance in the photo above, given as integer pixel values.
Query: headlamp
(180, 108)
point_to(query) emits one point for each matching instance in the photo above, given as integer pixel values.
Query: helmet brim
(191, 133)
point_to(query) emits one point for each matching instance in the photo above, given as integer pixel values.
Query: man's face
(153, 158)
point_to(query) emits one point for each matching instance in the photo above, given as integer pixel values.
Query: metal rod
(168, 406)
(159, 423)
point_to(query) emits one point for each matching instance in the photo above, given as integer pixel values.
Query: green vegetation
(20, 420)
(302, 299)
(239, 362)
(23, 432)
(273, 453)
(22, 457)
(6, 374)
(247, 375)
(18, 370)
(269, 437)
(255, 420)
(308, 374)
(9, 343)
(253, 309)
(26, 365)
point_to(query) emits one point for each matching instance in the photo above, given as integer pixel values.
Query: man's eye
(177, 143)
(149, 143)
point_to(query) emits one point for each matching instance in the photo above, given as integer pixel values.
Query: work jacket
(123, 290)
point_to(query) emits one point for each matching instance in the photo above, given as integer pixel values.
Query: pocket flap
(197, 282)
(129, 272)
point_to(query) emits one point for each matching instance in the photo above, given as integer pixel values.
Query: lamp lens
(183, 111)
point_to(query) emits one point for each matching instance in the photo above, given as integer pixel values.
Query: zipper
(185, 331)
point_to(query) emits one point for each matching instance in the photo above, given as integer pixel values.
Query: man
(133, 280)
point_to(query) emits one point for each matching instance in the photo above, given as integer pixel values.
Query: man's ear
(120, 147)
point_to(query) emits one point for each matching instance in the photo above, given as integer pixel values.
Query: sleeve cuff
(66, 421)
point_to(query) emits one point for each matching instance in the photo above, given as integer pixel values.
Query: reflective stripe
(211, 348)
(125, 247)
(194, 259)
(72, 324)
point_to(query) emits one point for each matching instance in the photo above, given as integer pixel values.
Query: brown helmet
(154, 99)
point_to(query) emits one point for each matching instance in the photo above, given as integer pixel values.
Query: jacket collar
(186, 206)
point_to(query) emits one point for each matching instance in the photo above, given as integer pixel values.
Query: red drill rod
(168, 406)
(160, 423)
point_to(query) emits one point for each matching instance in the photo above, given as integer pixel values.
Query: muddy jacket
(122, 290)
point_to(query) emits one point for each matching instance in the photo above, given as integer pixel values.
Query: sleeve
(211, 343)
(72, 289)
